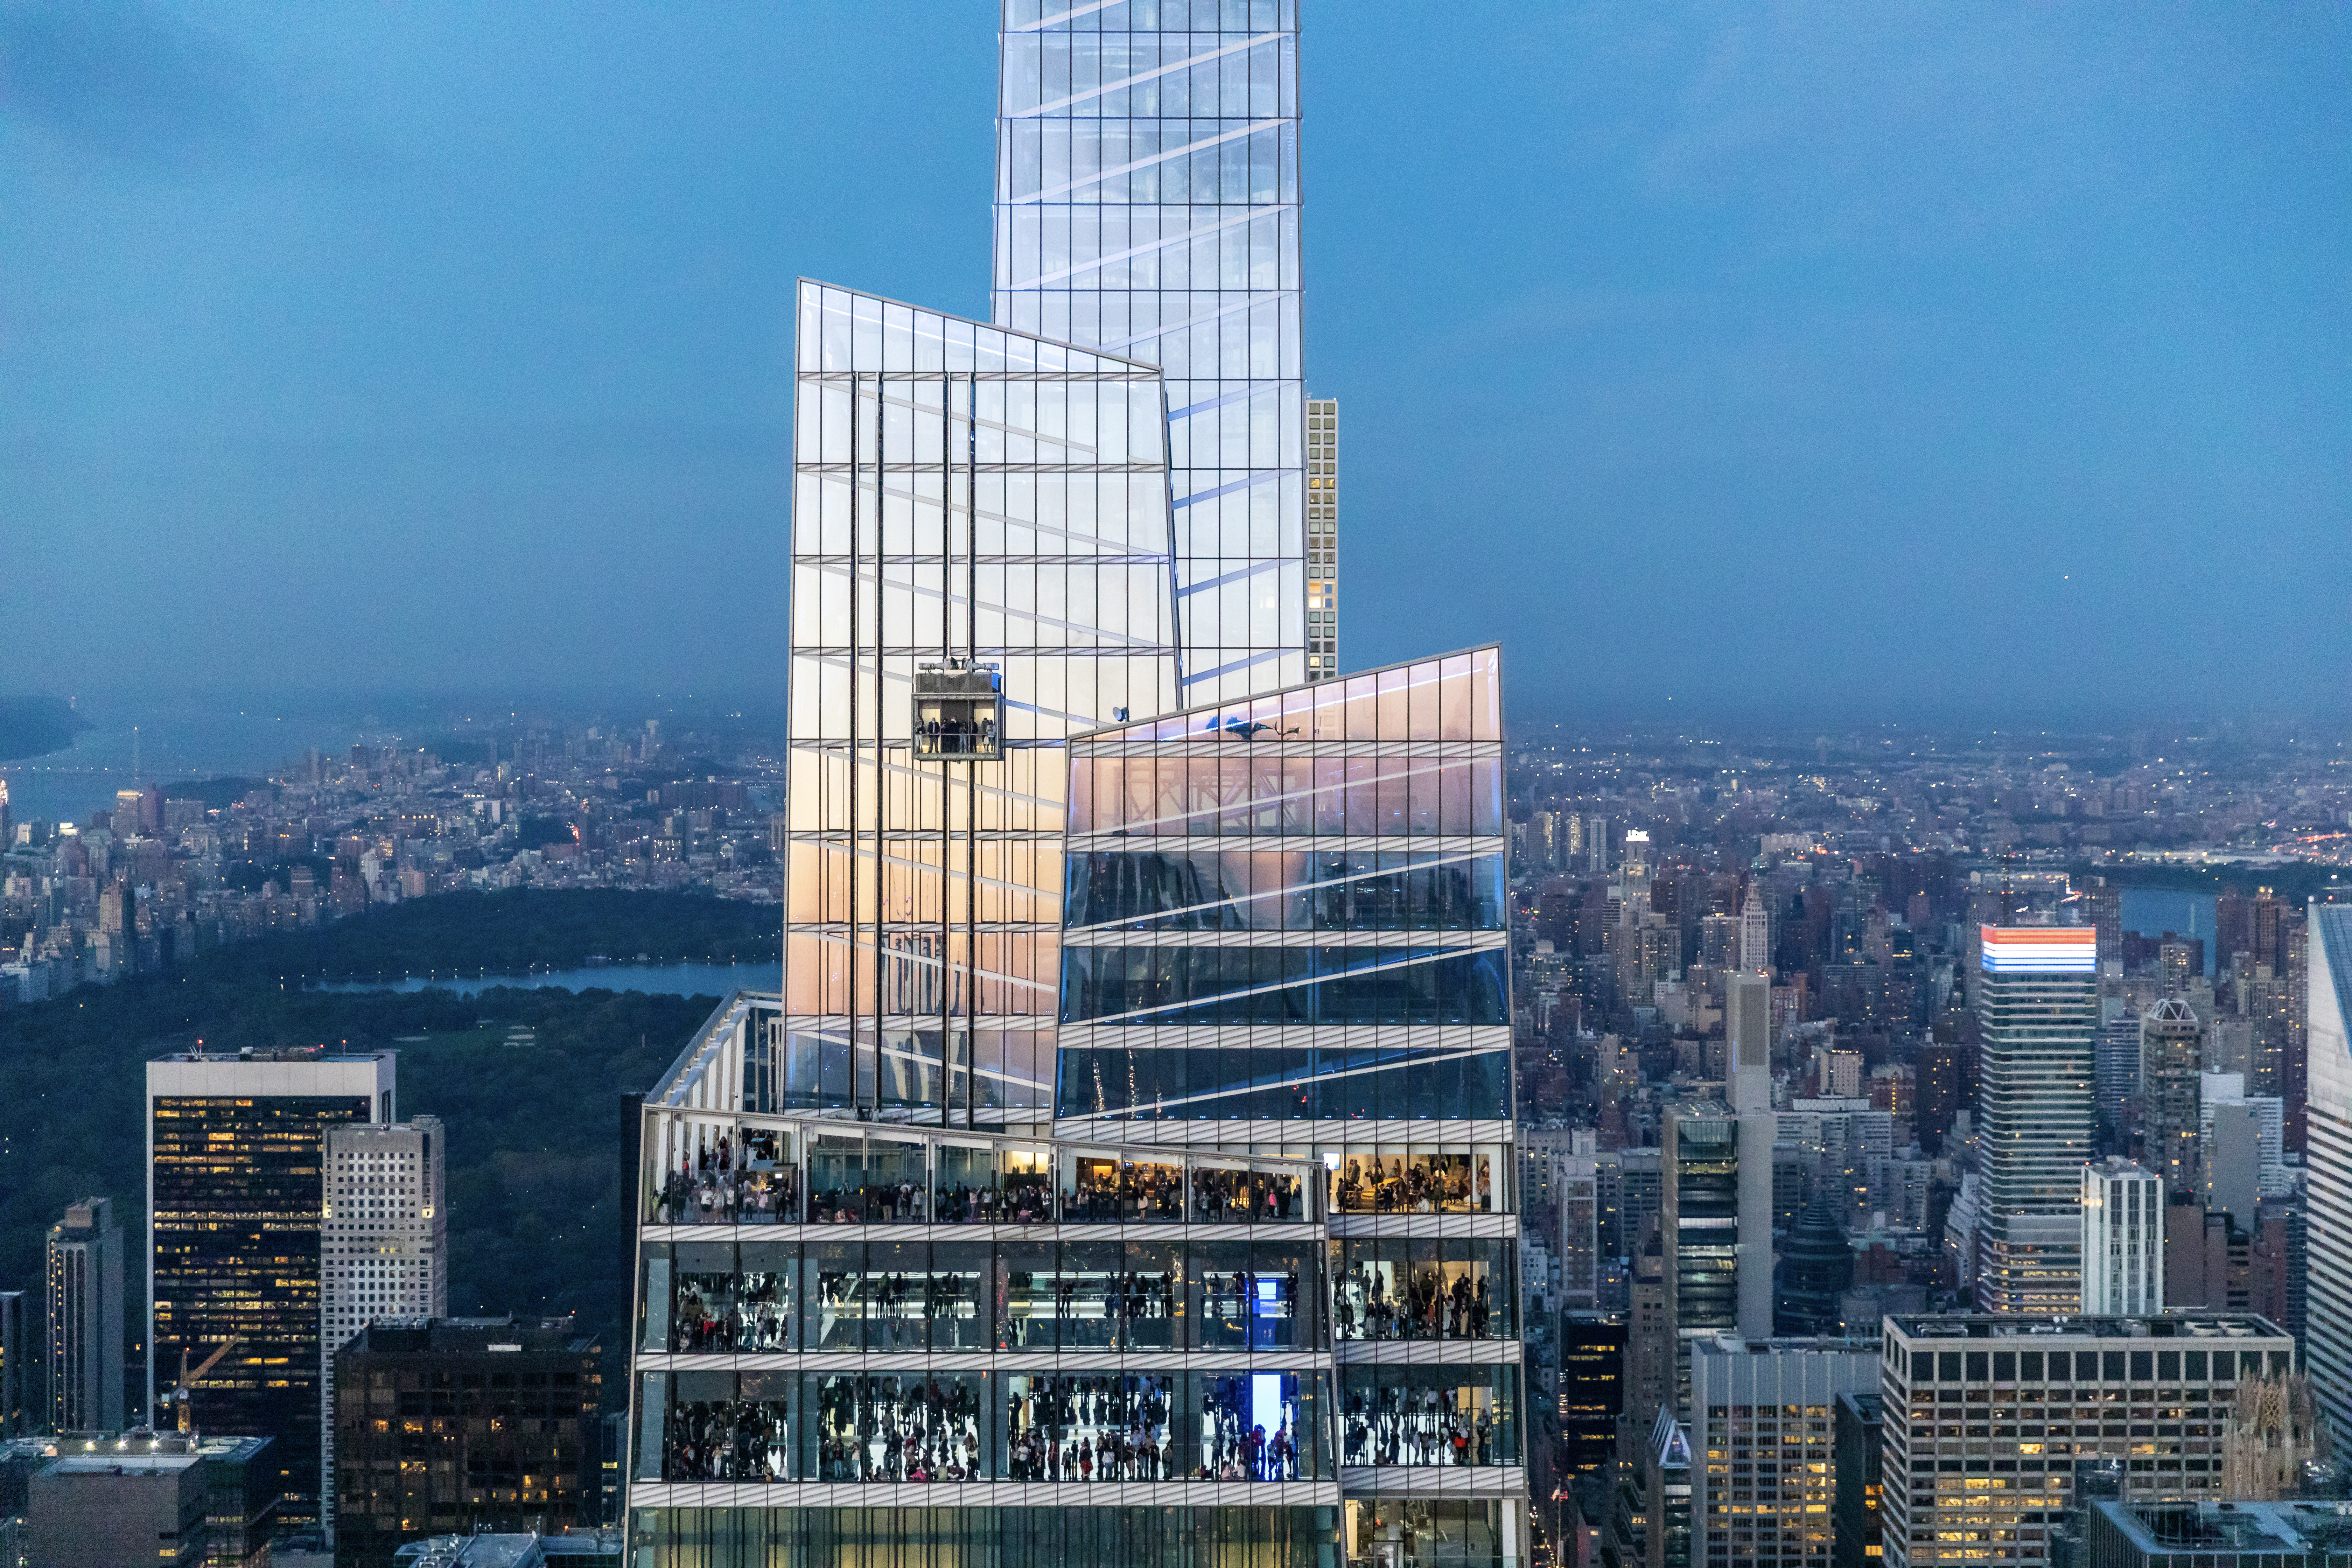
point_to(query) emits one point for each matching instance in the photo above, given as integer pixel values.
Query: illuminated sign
(2041, 950)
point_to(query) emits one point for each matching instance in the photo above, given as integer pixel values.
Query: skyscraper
(2327, 1340)
(1761, 1410)
(1755, 933)
(1148, 206)
(1747, 1021)
(2168, 1035)
(2038, 1011)
(384, 1247)
(1323, 558)
(2123, 1240)
(965, 500)
(236, 1154)
(85, 1318)
(1284, 932)
(18, 1383)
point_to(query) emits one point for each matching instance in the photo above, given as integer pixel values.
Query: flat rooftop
(2231, 1526)
(2158, 1326)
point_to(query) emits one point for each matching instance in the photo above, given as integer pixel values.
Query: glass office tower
(236, 1149)
(2038, 1018)
(1284, 932)
(925, 1348)
(978, 510)
(1146, 205)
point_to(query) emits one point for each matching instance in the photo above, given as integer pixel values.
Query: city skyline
(1762, 347)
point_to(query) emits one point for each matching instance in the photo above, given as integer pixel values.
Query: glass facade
(949, 1309)
(965, 499)
(1146, 205)
(1283, 931)
(1213, 859)
(237, 1210)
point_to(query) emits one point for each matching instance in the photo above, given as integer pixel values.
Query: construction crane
(188, 1379)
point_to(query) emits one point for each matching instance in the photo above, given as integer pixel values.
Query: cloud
(130, 83)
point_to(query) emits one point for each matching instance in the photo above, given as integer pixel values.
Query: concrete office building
(2123, 1239)
(235, 1160)
(1323, 550)
(2327, 1031)
(384, 1249)
(1761, 1413)
(85, 1320)
(2038, 1000)
(1988, 1419)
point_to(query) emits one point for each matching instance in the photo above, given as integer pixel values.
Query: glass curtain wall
(1147, 203)
(1284, 932)
(962, 493)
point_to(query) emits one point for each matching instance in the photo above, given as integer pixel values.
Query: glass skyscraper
(1286, 932)
(1124, 1173)
(1146, 205)
(962, 495)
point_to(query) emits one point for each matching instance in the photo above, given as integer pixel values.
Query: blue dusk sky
(1915, 360)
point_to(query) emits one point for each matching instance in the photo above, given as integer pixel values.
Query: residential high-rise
(2063, 1396)
(235, 1157)
(383, 1249)
(1747, 1023)
(1147, 207)
(2169, 1058)
(2123, 1239)
(1760, 1409)
(2038, 1012)
(85, 1320)
(1323, 560)
(2328, 1337)
(513, 1445)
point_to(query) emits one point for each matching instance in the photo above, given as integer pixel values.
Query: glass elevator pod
(959, 713)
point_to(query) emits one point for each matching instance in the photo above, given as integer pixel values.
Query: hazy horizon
(1846, 363)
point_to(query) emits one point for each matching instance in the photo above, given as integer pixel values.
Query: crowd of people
(1121, 1309)
(1230, 1197)
(885, 1429)
(1089, 1428)
(750, 1312)
(898, 1312)
(1017, 1202)
(1122, 1191)
(728, 1440)
(1431, 1183)
(719, 1184)
(1429, 1307)
(1235, 1447)
(1397, 1426)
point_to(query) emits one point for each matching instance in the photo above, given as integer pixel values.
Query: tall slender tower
(1755, 934)
(2169, 1037)
(1323, 543)
(2038, 1006)
(1748, 1021)
(1147, 205)
(2327, 1339)
(85, 1320)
